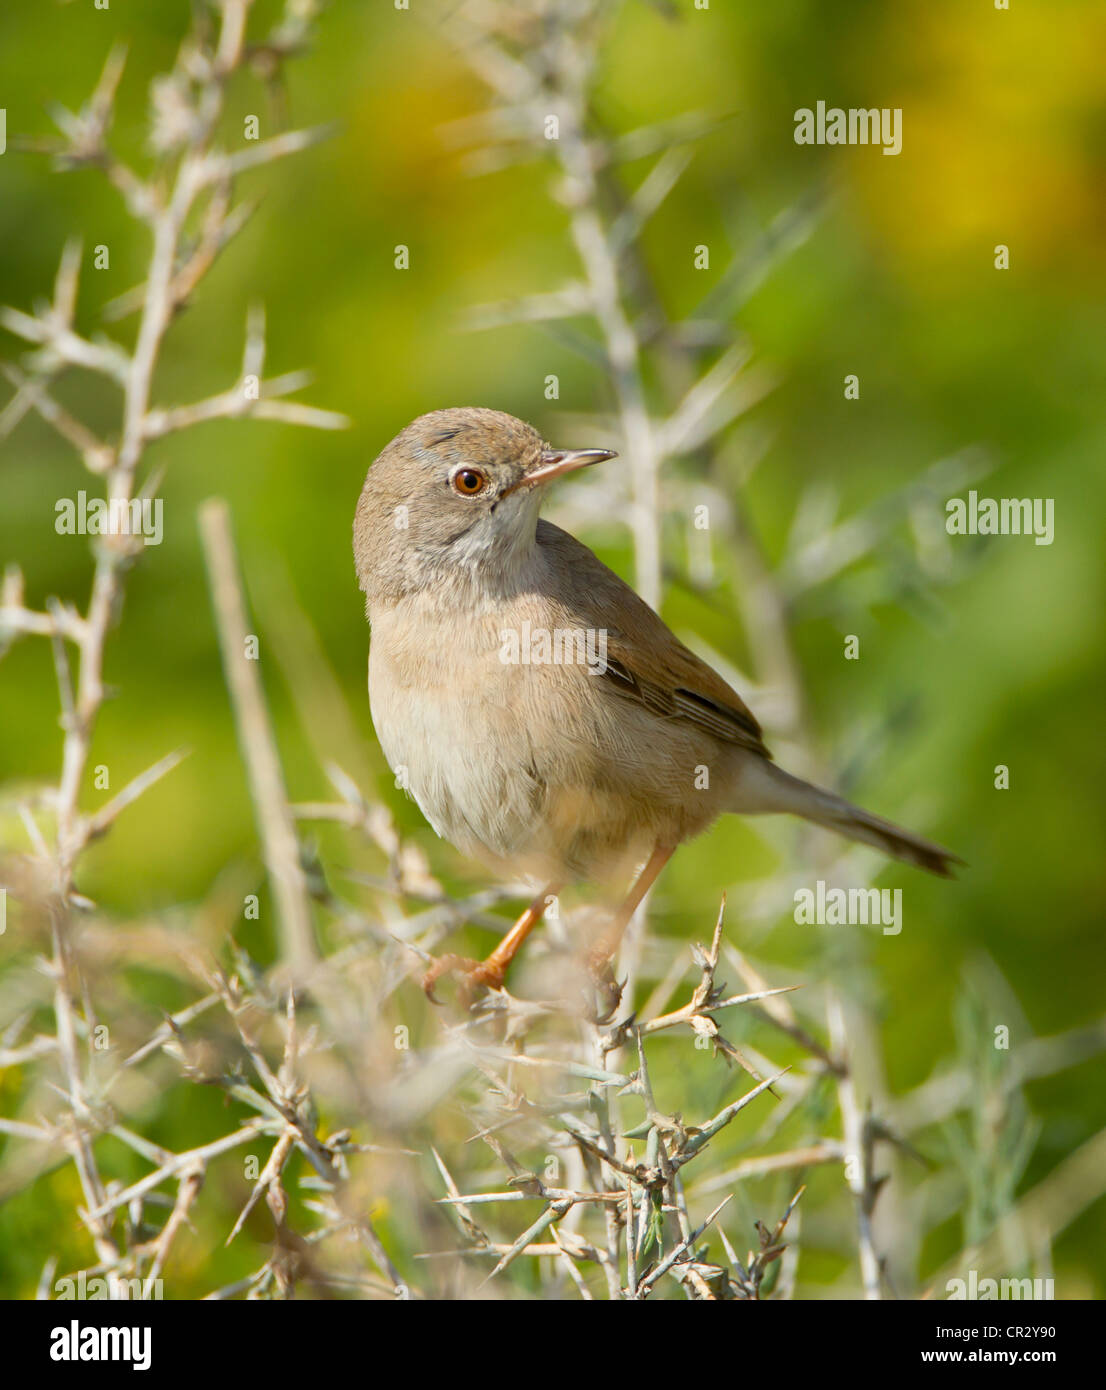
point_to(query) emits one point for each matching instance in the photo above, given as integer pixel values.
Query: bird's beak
(555, 462)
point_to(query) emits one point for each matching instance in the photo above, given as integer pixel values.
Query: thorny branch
(191, 167)
(588, 1174)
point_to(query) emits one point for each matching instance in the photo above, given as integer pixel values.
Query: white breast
(531, 768)
(450, 717)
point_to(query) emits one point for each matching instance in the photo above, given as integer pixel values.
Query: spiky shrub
(536, 1143)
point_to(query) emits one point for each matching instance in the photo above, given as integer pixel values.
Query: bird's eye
(468, 482)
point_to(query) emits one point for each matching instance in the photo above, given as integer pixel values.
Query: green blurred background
(1004, 134)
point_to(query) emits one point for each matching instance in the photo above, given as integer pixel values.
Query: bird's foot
(600, 965)
(474, 976)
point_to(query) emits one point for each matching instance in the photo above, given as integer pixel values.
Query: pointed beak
(555, 462)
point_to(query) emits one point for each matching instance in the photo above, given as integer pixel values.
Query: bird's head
(455, 495)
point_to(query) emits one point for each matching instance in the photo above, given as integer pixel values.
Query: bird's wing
(646, 662)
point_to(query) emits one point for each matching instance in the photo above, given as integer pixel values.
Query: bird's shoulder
(645, 661)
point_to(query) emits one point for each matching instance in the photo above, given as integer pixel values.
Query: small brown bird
(542, 715)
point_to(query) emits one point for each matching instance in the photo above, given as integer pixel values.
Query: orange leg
(601, 955)
(490, 972)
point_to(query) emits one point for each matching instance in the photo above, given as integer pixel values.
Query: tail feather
(774, 790)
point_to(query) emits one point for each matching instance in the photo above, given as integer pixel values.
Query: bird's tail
(768, 789)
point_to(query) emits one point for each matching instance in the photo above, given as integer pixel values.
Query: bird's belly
(531, 768)
(472, 796)
(462, 753)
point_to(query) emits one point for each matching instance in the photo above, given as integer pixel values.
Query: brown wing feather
(646, 662)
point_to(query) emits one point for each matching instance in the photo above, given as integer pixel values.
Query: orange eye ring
(469, 482)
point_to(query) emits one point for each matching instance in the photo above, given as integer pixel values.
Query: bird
(543, 716)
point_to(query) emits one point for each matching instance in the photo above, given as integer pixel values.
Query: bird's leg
(601, 956)
(490, 972)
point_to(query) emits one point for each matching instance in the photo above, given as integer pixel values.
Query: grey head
(454, 498)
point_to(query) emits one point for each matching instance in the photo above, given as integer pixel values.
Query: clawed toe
(475, 975)
(600, 967)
